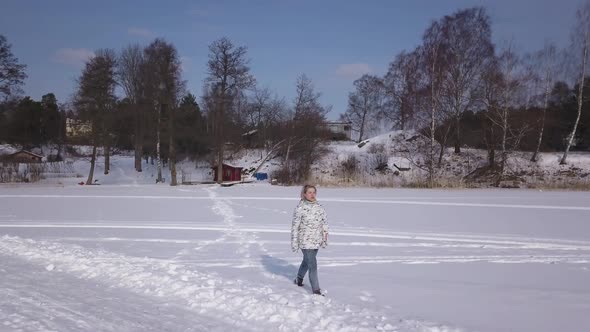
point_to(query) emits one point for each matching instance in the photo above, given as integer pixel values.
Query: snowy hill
(394, 159)
(389, 160)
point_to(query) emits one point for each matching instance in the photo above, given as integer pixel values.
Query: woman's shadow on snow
(279, 267)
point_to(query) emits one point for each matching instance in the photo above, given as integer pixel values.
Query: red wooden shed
(230, 173)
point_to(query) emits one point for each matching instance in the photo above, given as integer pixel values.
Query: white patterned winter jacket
(310, 226)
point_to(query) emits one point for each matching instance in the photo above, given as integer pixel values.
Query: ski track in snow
(324, 199)
(233, 302)
(476, 247)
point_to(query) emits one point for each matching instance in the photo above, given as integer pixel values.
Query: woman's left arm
(325, 228)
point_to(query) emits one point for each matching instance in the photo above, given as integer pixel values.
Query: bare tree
(365, 103)
(258, 107)
(129, 75)
(96, 96)
(228, 74)
(581, 45)
(433, 64)
(467, 38)
(502, 84)
(275, 115)
(544, 69)
(304, 132)
(306, 104)
(263, 111)
(402, 85)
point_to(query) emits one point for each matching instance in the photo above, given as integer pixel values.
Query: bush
(349, 167)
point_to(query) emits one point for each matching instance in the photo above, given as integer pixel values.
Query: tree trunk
(431, 163)
(443, 145)
(542, 129)
(492, 157)
(92, 162)
(159, 158)
(107, 151)
(402, 116)
(172, 148)
(107, 157)
(60, 141)
(220, 140)
(490, 144)
(362, 129)
(458, 134)
(286, 160)
(503, 145)
(138, 138)
(432, 126)
(218, 126)
(580, 99)
(289, 144)
(220, 165)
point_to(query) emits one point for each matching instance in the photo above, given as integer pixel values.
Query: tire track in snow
(235, 302)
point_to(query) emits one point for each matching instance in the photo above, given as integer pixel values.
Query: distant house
(78, 128)
(340, 130)
(250, 138)
(230, 173)
(23, 156)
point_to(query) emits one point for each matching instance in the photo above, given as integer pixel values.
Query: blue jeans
(310, 264)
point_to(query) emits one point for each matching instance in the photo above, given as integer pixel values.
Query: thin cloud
(353, 70)
(141, 32)
(72, 56)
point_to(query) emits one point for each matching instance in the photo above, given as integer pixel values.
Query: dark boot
(318, 292)
(298, 281)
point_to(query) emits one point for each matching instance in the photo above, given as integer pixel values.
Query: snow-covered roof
(226, 164)
(6, 149)
(28, 152)
(251, 132)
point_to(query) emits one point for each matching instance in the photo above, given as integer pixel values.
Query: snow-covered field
(208, 258)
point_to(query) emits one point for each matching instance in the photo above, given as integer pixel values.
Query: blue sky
(333, 42)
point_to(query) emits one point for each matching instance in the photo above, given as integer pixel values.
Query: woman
(309, 232)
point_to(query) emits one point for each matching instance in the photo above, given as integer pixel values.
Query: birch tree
(544, 65)
(167, 86)
(467, 37)
(502, 84)
(432, 53)
(580, 45)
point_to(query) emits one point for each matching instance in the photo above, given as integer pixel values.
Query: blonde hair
(304, 190)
